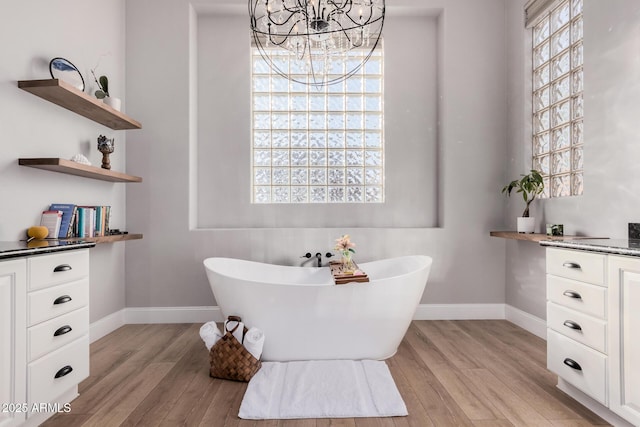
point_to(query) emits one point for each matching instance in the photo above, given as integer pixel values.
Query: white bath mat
(322, 389)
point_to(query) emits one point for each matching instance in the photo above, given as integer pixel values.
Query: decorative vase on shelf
(112, 102)
(526, 224)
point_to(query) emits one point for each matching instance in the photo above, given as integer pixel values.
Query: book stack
(78, 221)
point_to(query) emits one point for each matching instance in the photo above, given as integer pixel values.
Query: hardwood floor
(450, 373)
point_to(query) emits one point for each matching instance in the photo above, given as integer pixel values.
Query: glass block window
(558, 100)
(313, 145)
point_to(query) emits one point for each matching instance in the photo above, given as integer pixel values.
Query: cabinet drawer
(577, 265)
(55, 333)
(579, 296)
(46, 270)
(70, 363)
(590, 378)
(48, 303)
(579, 326)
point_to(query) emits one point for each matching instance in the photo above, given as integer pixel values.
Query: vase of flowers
(345, 246)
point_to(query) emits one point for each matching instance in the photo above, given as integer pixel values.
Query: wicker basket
(230, 360)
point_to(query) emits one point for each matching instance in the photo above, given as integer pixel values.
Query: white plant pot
(114, 103)
(526, 224)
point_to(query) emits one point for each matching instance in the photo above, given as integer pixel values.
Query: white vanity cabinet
(593, 328)
(13, 338)
(44, 331)
(624, 337)
(57, 326)
(577, 320)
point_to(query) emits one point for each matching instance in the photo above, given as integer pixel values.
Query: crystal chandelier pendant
(319, 33)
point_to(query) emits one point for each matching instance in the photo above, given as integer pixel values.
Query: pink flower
(344, 244)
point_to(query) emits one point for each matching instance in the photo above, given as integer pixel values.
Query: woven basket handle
(236, 319)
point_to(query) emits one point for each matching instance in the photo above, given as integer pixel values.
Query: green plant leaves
(529, 185)
(104, 85)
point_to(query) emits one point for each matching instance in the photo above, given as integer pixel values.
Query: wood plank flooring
(450, 373)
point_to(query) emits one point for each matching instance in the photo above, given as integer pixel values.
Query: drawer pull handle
(62, 267)
(571, 265)
(572, 294)
(572, 364)
(62, 299)
(573, 325)
(64, 371)
(62, 330)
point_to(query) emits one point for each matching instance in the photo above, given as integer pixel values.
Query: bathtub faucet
(308, 256)
(318, 257)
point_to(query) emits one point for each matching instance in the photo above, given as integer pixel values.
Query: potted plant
(530, 186)
(103, 92)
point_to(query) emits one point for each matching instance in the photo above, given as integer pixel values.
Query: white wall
(224, 132)
(611, 175)
(32, 33)
(482, 46)
(167, 269)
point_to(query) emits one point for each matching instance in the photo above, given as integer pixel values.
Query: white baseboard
(526, 321)
(131, 315)
(172, 314)
(106, 325)
(205, 314)
(459, 311)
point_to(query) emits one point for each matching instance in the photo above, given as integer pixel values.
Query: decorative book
(340, 277)
(51, 220)
(68, 212)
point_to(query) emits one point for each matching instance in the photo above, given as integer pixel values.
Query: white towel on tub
(254, 341)
(238, 333)
(210, 334)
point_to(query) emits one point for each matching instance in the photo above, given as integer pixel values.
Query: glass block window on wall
(312, 145)
(558, 101)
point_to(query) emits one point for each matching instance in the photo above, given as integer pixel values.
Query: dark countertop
(22, 248)
(609, 246)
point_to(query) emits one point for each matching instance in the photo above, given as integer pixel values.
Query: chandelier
(318, 33)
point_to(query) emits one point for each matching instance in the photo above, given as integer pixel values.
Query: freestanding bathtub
(304, 316)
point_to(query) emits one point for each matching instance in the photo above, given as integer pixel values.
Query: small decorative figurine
(106, 147)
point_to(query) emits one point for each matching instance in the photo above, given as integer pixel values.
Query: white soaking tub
(304, 316)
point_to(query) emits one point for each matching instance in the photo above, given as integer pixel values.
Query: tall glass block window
(558, 101)
(313, 145)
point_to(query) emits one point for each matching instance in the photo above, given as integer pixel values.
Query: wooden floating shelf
(536, 237)
(67, 96)
(107, 239)
(56, 164)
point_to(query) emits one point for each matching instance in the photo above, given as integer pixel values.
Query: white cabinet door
(624, 344)
(13, 306)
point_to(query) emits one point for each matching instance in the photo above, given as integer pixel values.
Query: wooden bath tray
(340, 278)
